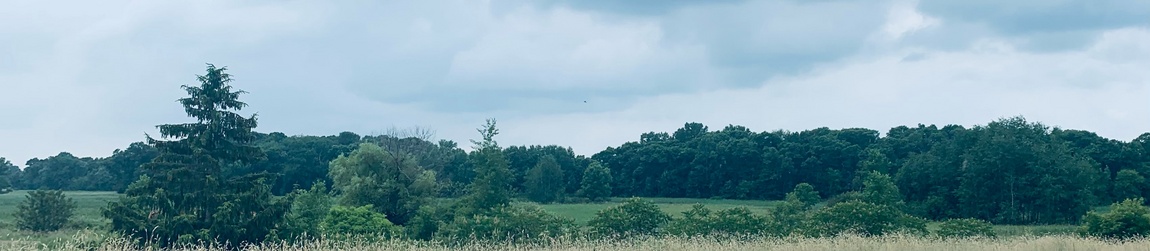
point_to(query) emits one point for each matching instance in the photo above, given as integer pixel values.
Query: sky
(88, 77)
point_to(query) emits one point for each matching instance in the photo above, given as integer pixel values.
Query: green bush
(427, 221)
(358, 221)
(515, 224)
(308, 210)
(964, 228)
(863, 218)
(44, 211)
(700, 221)
(1126, 219)
(634, 217)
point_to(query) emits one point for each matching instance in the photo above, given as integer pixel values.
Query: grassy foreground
(87, 233)
(95, 241)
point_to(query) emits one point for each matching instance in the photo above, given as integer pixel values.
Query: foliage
(9, 176)
(361, 221)
(44, 211)
(863, 218)
(514, 224)
(878, 188)
(790, 216)
(965, 228)
(700, 221)
(1126, 219)
(1129, 184)
(1015, 172)
(596, 185)
(372, 176)
(198, 188)
(308, 210)
(6, 171)
(544, 182)
(491, 188)
(521, 159)
(301, 161)
(633, 217)
(805, 194)
(428, 220)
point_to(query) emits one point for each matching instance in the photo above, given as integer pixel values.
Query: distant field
(583, 212)
(88, 206)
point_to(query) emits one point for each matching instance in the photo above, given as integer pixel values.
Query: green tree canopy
(545, 182)
(491, 188)
(372, 176)
(1129, 184)
(596, 182)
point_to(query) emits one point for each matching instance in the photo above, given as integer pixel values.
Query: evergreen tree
(44, 211)
(545, 181)
(596, 182)
(192, 192)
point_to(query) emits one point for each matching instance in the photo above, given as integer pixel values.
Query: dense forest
(1007, 171)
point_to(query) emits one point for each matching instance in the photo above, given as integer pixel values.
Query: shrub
(964, 228)
(700, 221)
(515, 224)
(634, 217)
(806, 194)
(1126, 219)
(358, 221)
(44, 211)
(428, 220)
(308, 210)
(862, 218)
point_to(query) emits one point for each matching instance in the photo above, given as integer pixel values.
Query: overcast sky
(88, 77)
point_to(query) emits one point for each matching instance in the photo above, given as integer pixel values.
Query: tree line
(218, 180)
(1007, 171)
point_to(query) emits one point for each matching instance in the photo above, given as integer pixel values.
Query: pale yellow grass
(90, 241)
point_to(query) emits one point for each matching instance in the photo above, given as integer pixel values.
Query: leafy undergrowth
(87, 240)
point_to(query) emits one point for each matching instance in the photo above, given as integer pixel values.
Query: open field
(583, 212)
(89, 225)
(88, 206)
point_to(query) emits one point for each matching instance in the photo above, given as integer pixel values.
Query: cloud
(1043, 25)
(646, 8)
(91, 77)
(1093, 88)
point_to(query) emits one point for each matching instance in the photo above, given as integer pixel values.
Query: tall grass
(96, 241)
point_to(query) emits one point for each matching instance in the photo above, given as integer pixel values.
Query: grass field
(583, 212)
(89, 226)
(88, 206)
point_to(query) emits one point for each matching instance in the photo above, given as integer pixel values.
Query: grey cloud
(761, 39)
(1044, 25)
(711, 46)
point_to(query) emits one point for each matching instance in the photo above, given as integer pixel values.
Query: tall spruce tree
(191, 192)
